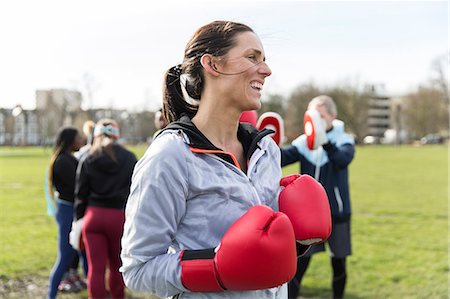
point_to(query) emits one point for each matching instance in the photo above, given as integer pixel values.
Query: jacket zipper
(337, 194)
(254, 159)
(236, 164)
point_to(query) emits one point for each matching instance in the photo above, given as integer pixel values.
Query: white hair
(326, 101)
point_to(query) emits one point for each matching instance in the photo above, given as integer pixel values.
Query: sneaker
(79, 282)
(66, 286)
(76, 280)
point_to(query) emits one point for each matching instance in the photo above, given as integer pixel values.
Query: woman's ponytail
(174, 103)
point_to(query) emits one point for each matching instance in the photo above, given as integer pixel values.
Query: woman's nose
(264, 69)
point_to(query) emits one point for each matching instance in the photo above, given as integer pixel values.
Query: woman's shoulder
(169, 146)
(168, 153)
(65, 159)
(170, 142)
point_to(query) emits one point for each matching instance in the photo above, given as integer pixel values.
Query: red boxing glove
(257, 252)
(305, 202)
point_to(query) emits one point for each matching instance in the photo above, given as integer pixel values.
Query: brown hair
(215, 38)
(104, 142)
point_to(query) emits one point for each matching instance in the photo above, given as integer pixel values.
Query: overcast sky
(122, 48)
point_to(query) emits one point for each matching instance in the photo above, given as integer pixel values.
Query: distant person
(160, 122)
(88, 131)
(61, 180)
(201, 218)
(102, 190)
(72, 282)
(328, 163)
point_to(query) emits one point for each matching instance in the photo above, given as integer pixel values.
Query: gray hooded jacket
(185, 194)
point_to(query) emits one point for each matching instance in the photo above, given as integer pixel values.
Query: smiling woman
(208, 179)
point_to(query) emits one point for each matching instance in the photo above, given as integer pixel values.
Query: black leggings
(339, 277)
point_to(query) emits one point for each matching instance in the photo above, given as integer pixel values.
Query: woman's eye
(252, 57)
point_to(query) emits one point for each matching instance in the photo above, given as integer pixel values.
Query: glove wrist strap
(198, 271)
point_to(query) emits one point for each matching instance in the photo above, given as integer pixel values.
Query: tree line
(424, 110)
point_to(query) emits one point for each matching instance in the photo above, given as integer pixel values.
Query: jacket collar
(248, 135)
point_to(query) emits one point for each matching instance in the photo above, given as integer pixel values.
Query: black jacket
(64, 170)
(103, 182)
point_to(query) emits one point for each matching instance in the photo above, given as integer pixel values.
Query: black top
(64, 170)
(103, 182)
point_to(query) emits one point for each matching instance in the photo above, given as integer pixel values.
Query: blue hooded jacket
(328, 164)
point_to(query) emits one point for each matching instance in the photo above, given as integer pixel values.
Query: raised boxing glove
(305, 202)
(257, 252)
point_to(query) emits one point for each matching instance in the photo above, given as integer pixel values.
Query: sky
(119, 50)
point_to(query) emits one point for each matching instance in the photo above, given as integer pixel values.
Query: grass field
(399, 225)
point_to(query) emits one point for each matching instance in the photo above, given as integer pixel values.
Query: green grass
(399, 224)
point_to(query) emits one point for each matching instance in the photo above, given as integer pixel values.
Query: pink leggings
(102, 231)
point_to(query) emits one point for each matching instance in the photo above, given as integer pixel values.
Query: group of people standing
(90, 183)
(206, 213)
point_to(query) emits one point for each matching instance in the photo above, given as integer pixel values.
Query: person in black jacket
(102, 190)
(61, 180)
(329, 165)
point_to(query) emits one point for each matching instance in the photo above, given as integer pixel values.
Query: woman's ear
(208, 64)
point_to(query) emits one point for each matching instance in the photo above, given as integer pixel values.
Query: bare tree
(295, 110)
(425, 112)
(273, 103)
(146, 125)
(352, 104)
(440, 78)
(440, 75)
(90, 86)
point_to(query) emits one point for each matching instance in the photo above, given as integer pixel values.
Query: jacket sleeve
(340, 155)
(81, 190)
(155, 207)
(271, 174)
(289, 155)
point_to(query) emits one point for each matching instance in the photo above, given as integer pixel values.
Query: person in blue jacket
(328, 164)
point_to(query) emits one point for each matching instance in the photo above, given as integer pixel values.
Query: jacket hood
(105, 163)
(338, 125)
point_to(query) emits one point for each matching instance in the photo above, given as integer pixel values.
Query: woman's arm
(81, 191)
(155, 207)
(340, 155)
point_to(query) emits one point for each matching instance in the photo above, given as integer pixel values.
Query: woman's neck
(218, 124)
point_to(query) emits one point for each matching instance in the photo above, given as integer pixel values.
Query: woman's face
(327, 116)
(78, 142)
(246, 61)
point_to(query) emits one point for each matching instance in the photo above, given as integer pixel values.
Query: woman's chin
(255, 105)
